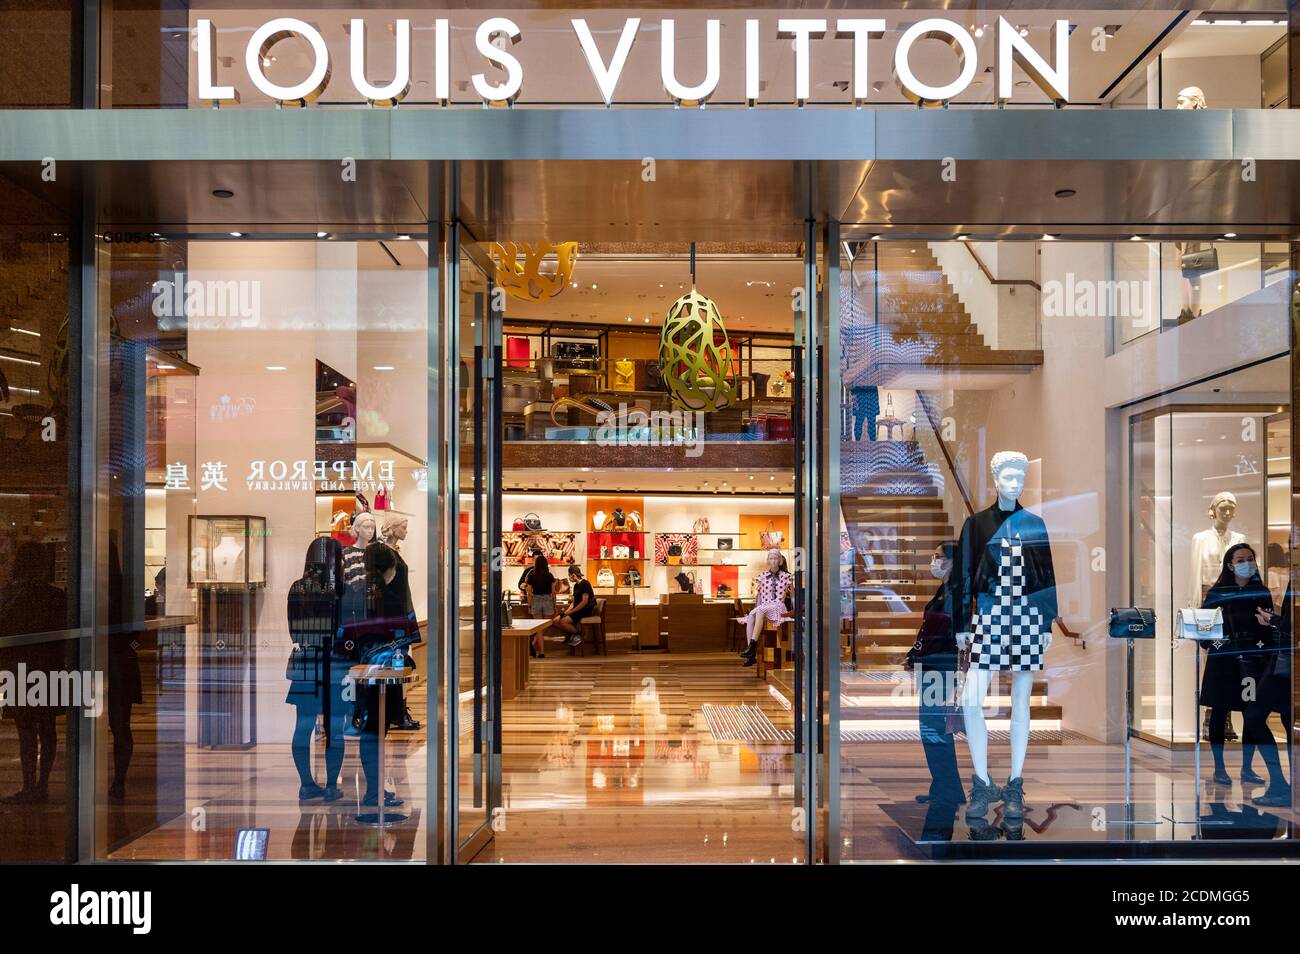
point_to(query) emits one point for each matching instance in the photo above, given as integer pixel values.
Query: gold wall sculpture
(519, 268)
(695, 355)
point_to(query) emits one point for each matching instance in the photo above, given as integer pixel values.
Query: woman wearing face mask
(1232, 666)
(775, 587)
(934, 657)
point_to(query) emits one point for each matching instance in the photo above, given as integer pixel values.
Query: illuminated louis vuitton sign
(495, 36)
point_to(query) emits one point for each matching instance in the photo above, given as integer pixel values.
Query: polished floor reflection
(1074, 792)
(647, 758)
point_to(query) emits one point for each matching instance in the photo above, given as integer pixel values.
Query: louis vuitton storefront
(900, 404)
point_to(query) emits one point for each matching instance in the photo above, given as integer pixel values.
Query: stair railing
(936, 427)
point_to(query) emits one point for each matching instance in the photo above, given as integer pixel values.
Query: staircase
(923, 320)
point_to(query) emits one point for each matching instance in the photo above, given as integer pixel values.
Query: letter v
(607, 77)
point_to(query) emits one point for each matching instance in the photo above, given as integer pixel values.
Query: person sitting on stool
(581, 605)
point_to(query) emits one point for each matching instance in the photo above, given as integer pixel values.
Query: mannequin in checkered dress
(1006, 589)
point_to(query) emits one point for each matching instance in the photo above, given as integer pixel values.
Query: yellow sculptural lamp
(519, 268)
(695, 354)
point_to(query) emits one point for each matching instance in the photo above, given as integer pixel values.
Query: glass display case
(227, 550)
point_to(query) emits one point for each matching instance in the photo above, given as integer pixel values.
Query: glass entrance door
(474, 654)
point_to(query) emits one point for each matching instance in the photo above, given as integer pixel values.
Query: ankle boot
(983, 794)
(1013, 798)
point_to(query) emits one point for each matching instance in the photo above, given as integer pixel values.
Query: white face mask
(939, 568)
(1244, 571)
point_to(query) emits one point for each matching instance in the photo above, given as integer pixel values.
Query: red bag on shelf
(517, 355)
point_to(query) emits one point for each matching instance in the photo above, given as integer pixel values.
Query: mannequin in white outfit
(1208, 547)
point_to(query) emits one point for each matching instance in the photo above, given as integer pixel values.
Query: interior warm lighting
(7, 357)
(384, 367)
(322, 234)
(1048, 238)
(236, 234)
(276, 367)
(1135, 238)
(166, 367)
(24, 331)
(1229, 235)
(403, 238)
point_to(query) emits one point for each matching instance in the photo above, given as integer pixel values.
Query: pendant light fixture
(695, 353)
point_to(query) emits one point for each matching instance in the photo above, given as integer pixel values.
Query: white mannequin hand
(1047, 640)
(963, 640)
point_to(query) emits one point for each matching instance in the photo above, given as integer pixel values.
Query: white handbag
(1203, 625)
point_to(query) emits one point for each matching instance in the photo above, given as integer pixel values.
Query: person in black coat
(317, 666)
(1233, 665)
(934, 658)
(1273, 695)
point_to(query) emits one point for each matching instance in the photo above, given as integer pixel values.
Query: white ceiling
(1224, 41)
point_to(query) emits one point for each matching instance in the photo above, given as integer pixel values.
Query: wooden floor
(611, 759)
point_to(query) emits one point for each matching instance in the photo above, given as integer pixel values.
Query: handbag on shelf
(771, 538)
(633, 577)
(672, 549)
(624, 375)
(622, 552)
(604, 576)
(725, 543)
(760, 383)
(1133, 622)
(532, 522)
(1202, 625)
(701, 525)
(517, 355)
(518, 525)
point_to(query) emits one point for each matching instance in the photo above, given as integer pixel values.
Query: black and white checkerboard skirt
(1008, 632)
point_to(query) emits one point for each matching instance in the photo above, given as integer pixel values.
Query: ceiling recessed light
(236, 234)
(1135, 238)
(276, 367)
(979, 31)
(223, 194)
(1021, 84)
(963, 238)
(1065, 193)
(1048, 238)
(321, 234)
(403, 238)
(166, 367)
(384, 367)
(1229, 234)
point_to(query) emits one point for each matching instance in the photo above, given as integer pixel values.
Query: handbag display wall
(771, 538)
(701, 525)
(604, 576)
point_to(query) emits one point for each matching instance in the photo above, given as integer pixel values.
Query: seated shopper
(581, 605)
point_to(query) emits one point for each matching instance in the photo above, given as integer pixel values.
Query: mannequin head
(775, 562)
(1008, 469)
(364, 528)
(1191, 97)
(395, 526)
(1222, 509)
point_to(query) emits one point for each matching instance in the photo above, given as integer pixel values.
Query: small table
(383, 678)
(514, 654)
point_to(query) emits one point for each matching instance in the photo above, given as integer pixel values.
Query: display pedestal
(1129, 811)
(227, 666)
